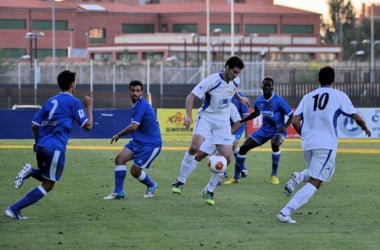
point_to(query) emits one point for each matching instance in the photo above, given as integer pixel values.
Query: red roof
(165, 8)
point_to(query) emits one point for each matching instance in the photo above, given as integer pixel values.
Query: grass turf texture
(342, 215)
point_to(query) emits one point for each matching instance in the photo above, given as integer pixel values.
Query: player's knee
(135, 171)
(277, 140)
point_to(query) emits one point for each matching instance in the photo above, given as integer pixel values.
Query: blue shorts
(143, 155)
(261, 136)
(51, 161)
(239, 133)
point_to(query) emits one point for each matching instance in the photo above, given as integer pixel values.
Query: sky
(319, 6)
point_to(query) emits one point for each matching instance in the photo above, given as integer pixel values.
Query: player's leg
(52, 165)
(250, 143)
(144, 155)
(208, 191)
(120, 171)
(322, 167)
(276, 142)
(201, 131)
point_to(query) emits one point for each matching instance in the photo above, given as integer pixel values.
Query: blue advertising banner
(17, 124)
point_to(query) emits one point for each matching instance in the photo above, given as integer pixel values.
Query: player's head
(326, 75)
(135, 90)
(232, 68)
(267, 86)
(66, 79)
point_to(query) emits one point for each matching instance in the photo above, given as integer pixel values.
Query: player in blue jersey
(238, 133)
(144, 147)
(213, 121)
(316, 121)
(52, 126)
(273, 109)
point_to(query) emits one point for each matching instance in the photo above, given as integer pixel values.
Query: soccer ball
(217, 163)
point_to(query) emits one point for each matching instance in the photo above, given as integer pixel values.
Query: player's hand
(187, 122)
(244, 100)
(368, 132)
(115, 138)
(88, 101)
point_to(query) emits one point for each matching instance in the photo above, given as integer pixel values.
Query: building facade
(161, 30)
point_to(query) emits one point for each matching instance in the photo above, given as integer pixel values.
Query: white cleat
(20, 177)
(285, 218)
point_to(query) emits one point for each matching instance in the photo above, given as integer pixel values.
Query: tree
(342, 18)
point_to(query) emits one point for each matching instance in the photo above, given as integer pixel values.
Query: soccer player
(52, 126)
(316, 120)
(144, 147)
(273, 109)
(213, 120)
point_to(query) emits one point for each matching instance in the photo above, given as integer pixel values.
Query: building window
(298, 29)
(47, 25)
(13, 53)
(224, 28)
(261, 28)
(96, 35)
(137, 28)
(101, 56)
(164, 28)
(13, 24)
(185, 28)
(127, 56)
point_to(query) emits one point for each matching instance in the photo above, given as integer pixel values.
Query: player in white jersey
(213, 119)
(315, 120)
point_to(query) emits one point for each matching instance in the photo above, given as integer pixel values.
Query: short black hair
(134, 83)
(235, 61)
(268, 78)
(326, 75)
(65, 79)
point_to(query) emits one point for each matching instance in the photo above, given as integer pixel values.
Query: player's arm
(287, 123)
(129, 129)
(242, 99)
(251, 116)
(297, 123)
(189, 110)
(88, 103)
(359, 120)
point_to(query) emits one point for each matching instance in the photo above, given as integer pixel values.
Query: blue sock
(30, 198)
(240, 160)
(120, 174)
(145, 179)
(275, 160)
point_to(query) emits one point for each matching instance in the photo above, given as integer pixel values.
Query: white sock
(214, 180)
(187, 166)
(299, 199)
(305, 175)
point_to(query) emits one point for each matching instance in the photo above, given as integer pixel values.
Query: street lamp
(71, 30)
(356, 53)
(241, 41)
(251, 36)
(185, 56)
(223, 42)
(197, 38)
(34, 36)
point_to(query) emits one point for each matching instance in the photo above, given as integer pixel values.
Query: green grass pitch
(344, 214)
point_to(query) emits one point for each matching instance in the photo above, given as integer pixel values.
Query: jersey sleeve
(138, 112)
(234, 113)
(79, 113)
(347, 108)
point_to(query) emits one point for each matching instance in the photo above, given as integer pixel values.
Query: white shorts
(218, 132)
(320, 163)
